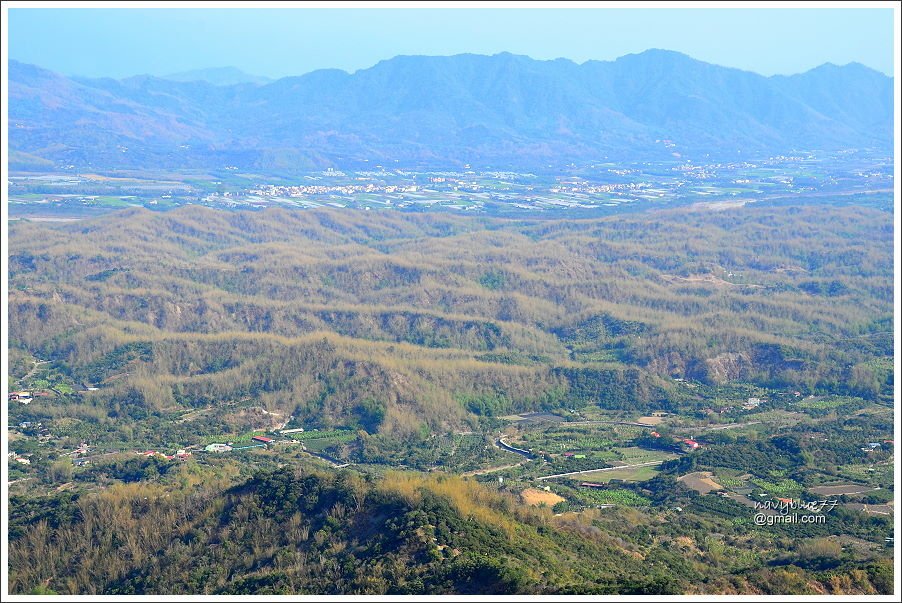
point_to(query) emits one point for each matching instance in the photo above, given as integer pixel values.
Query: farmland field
(633, 474)
(633, 455)
(701, 482)
(618, 496)
(875, 475)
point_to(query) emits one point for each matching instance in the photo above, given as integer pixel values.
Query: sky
(277, 42)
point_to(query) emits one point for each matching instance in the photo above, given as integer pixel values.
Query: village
(597, 188)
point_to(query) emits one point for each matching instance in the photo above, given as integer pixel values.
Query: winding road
(500, 443)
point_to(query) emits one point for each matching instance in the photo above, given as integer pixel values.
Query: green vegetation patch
(617, 496)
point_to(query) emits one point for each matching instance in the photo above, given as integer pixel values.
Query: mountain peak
(659, 54)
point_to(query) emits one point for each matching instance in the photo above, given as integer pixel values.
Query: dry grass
(534, 497)
(469, 498)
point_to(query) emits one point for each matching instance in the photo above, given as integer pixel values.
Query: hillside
(323, 401)
(494, 111)
(301, 531)
(405, 322)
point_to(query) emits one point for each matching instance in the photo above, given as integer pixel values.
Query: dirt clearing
(701, 482)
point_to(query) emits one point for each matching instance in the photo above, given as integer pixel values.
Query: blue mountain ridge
(503, 110)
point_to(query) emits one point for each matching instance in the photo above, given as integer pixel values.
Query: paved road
(504, 445)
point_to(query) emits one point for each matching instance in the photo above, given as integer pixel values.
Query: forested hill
(296, 531)
(398, 343)
(408, 324)
(495, 111)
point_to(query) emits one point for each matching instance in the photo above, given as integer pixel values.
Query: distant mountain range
(218, 76)
(501, 111)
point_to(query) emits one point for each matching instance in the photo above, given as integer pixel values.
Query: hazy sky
(293, 41)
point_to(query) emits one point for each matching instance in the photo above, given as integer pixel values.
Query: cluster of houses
(82, 449)
(256, 442)
(21, 397)
(753, 403)
(217, 447)
(872, 446)
(42, 432)
(180, 454)
(18, 458)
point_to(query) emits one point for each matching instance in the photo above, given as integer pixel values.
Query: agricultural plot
(43, 380)
(820, 403)
(701, 482)
(633, 455)
(632, 474)
(873, 475)
(566, 437)
(817, 407)
(730, 482)
(584, 443)
(319, 441)
(777, 418)
(617, 496)
(778, 487)
(320, 446)
(306, 436)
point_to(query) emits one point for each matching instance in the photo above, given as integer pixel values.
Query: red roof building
(262, 439)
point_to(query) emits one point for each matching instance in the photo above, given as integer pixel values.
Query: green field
(635, 474)
(618, 496)
(870, 474)
(321, 444)
(332, 434)
(826, 403)
(782, 487)
(633, 455)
